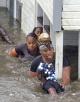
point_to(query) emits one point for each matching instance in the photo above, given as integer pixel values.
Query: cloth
(53, 84)
(47, 71)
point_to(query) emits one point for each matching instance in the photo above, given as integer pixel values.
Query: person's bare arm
(32, 74)
(12, 53)
(66, 75)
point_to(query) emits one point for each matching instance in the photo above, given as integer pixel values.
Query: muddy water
(15, 86)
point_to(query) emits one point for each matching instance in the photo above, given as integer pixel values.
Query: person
(47, 71)
(48, 76)
(37, 31)
(28, 50)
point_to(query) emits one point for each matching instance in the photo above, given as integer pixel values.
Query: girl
(28, 50)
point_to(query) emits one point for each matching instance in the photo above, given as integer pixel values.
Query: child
(37, 31)
(47, 71)
(28, 50)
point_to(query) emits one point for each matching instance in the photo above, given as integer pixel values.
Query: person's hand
(62, 84)
(31, 74)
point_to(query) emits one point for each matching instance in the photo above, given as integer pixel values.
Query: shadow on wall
(72, 53)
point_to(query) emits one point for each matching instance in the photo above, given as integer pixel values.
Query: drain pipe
(15, 2)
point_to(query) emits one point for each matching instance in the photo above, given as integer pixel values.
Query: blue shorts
(53, 84)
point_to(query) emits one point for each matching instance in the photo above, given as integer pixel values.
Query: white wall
(71, 15)
(47, 6)
(4, 3)
(28, 15)
(70, 38)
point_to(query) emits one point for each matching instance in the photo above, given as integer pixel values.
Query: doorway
(70, 49)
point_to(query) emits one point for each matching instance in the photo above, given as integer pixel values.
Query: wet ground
(15, 86)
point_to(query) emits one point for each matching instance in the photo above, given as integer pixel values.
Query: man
(48, 56)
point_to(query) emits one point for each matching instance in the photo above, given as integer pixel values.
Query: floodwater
(15, 86)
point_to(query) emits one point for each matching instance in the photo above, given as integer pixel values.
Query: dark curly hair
(41, 29)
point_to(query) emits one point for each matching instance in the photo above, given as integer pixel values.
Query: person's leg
(48, 86)
(57, 86)
(52, 91)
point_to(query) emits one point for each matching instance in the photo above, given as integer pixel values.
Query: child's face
(38, 31)
(31, 43)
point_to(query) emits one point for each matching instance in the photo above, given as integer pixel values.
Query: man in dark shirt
(48, 56)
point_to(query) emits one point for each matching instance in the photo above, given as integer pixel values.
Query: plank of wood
(68, 2)
(71, 28)
(70, 8)
(59, 54)
(71, 15)
(71, 22)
